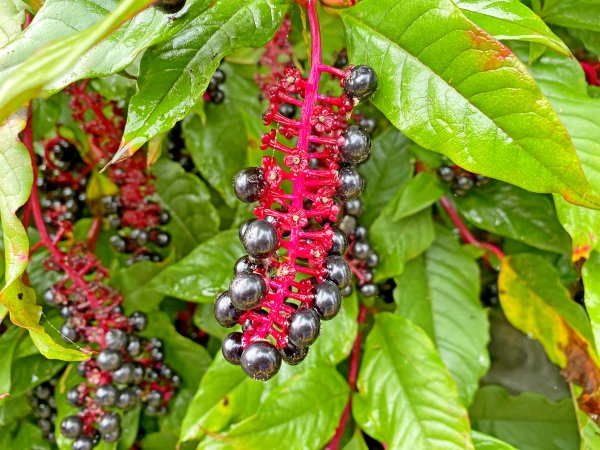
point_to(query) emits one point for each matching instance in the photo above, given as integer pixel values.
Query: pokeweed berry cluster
(133, 213)
(126, 370)
(291, 278)
(214, 93)
(176, 149)
(41, 400)
(460, 180)
(360, 256)
(64, 182)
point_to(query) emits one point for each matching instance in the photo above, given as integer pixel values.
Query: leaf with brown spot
(535, 301)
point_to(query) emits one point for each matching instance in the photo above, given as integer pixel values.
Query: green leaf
(133, 283)
(440, 293)
(199, 277)
(303, 412)
(193, 217)
(485, 442)
(534, 301)
(357, 442)
(590, 39)
(54, 60)
(31, 371)
(225, 395)
(563, 82)
(12, 17)
(387, 170)
(444, 83)
(8, 344)
(572, 13)
(16, 178)
(406, 398)
(509, 211)
(173, 75)
(528, 421)
(404, 229)
(590, 274)
(511, 20)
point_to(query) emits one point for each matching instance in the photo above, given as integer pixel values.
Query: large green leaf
(16, 178)
(440, 293)
(444, 82)
(485, 442)
(511, 20)
(225, 395)
(48, 63)
(528, 421)
(404, 229)
(590, 273)
(512, 212)
(406, 398)
(8, 344)
(200, 276)
(572, 13)
(387, 170)
(535, 301)
(173, 75)
(563, 82)
(12, 17)
(193, 217)
(303, 412)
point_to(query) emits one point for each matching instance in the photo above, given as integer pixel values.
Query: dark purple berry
(71, 427)
(249, 184)
(232, 347)
(217, 96)
(287, 110)
(357, 145)
(304, 327)
(115, 339)
(244, 264)
(164, 217)
(134, 346)
(481, 180)
(123, 374)
(244, 227)
(368, 124)
(106, 395)
(169, 6)
(109, 360)
(293, 355)
(112, 436)
(138, 320)
(219, 76)
(260, 239)
(351, 183)
(369, 290)
(261, 360)
(328, 300)
(118, 243)
(154, 398)
(373, 260)
(110, 422)
(226, 314)
(73, 397)
(446, 174)
(354, 207)
(42, 392)
(464, 182)
(247, 290)
(361, 250)
(83, 443)
(338, 271)
(360, 83)
(69, 333)
(339, 243)
(347, 291)
(127, 399)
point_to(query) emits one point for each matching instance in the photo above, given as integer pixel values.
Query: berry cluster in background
(460, 180)
(43, 405)
(295, 268)
(214, 93)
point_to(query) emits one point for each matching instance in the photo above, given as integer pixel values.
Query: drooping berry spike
(292, 276)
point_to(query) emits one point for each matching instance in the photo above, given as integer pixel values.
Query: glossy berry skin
(304, 327)
(83, 443)
(357, 145)
(338, 271)
(109, 360)
(71, 427)
(361, 250)
(293, 355)
(169, 6)
(328, 300)
(360, 83)
(154, 398)
(112, 436)
(219, 76)
(232, 347)
(244, 227)
(123, 374)
(138, 320)
(73, 398)
(446, 174)
(110, 422)
(287, 110)
(464, 182)
(249, 184)
(368, 124)
(340, 243)
(351, 183)
(247, 290)
(69, 333)
(115, 339)
(354, 207)
(244, 264)
(134, 346)
(369, 290)
(260, 360)
(226, 314)
(347, 291)
(126, 399)
(260, 239)
(106, 395)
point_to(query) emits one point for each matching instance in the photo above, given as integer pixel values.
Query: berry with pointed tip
(360, 83)
(338, 271)
(71, 427)
(261, 360)
(260, 239)
(292, 354)
(351, 183)
(248, 184)
(328, 300)
(226, 314)
(357, 145)
(232, 347)
(304, 327)
(247, 290)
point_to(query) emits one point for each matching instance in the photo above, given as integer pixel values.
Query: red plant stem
(465, 233)
(93, 233)
(45, 238)
(334, 444)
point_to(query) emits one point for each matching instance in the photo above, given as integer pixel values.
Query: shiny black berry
(360, 83)
(83, 443)
(328, 300)
(464, 182)
(127, 399)
(244, 227)
(106, 395)
(169, 6)
(339, 243)
(446, 174)
(123, 374)
(138, 320)
(293, 355)
(287, 110)
(361, 250)
(112, 436)
(109, 360)
(69, 333)
(260, 239)
(369, 290)
(304, 327)
(261, 360)
(247, 290)
(217, 96)
(244, 264)
(118, 243)
(134, 346)
(481, 180)
(368, 124)
(248, 184)
(357, 145)
(115, 339)
(110, 422)
(219, 76)
(360, 233)
(354, 207)
(226, 314)
(373, 260)
(347, 291)
(351, 183)
(161, 238)
(232, 347)
(164, 217)
(73, 397)
(71, 427)
(338, 271)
